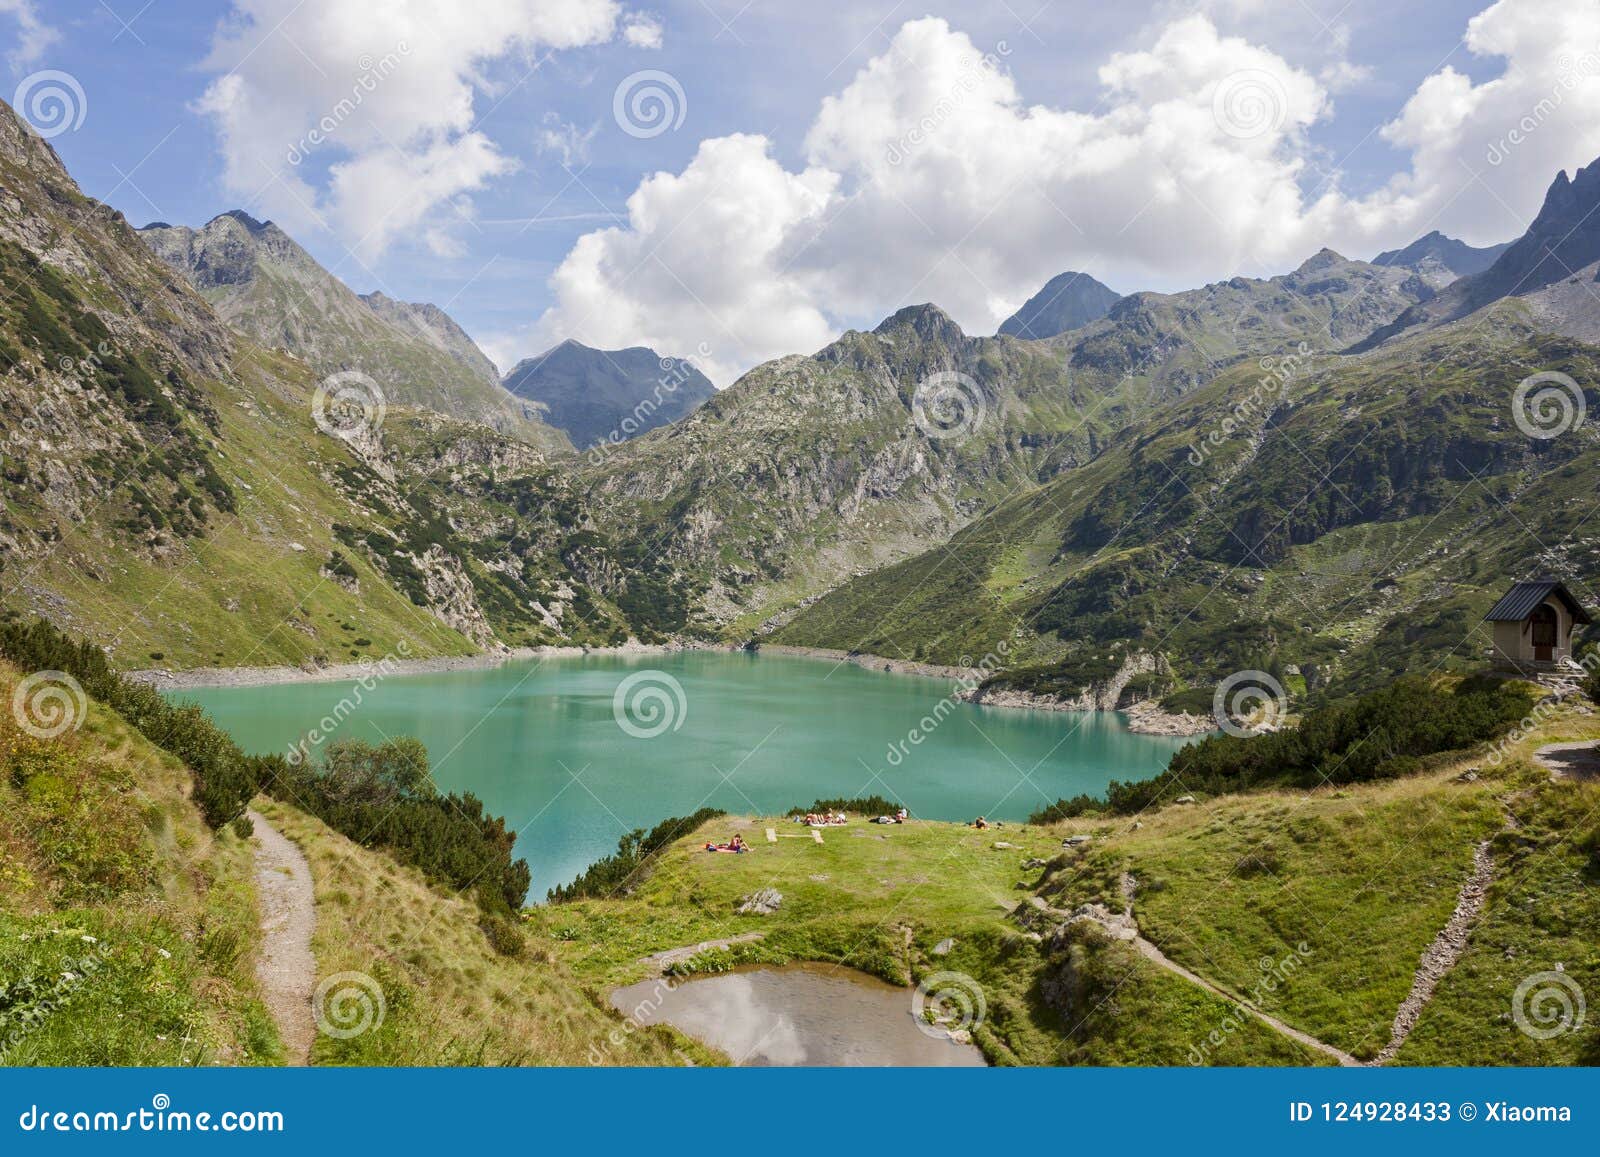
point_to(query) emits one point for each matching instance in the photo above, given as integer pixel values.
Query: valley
(345, 624)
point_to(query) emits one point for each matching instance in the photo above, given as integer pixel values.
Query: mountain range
(1318, 473)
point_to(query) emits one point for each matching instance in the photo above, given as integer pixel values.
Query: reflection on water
(803, 1014)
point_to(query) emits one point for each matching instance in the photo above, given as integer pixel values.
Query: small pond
(800, 1014)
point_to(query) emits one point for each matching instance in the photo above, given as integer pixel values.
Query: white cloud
(566, 140)
(724, 278)
(33, 34)
(641, 30)
(928, 177)
(382, 92)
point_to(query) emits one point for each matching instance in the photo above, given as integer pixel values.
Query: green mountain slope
(809, 470)
(167, 492)
(1354, 520)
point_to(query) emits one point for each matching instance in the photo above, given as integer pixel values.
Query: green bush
(1380, 735)
(611, 875)
(384, 797)
(865, 805)
(225, 778)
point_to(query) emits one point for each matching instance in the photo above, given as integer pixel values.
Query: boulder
(944, 946)
(762, 903)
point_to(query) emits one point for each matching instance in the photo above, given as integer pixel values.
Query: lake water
(546, 744)
(802, 1014)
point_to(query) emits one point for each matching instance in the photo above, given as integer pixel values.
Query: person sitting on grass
(902, 815)
(980, 822)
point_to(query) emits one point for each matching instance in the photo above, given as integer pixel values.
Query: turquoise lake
(545, 743)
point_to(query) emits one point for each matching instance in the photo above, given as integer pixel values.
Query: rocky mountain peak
(608, 395)
(927, 321)
(1320, 261)
(20, 145)
(1068, 301)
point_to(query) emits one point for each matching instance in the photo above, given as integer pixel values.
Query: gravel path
(286, 968)
(1443, 953)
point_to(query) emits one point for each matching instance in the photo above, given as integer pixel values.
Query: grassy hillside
(454, 994)
(128, 929)
(1332, 895)
(1354, 521)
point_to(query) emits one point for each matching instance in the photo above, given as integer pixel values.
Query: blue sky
(747, 250)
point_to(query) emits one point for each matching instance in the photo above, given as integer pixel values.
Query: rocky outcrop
(761, 903)
(451, 596)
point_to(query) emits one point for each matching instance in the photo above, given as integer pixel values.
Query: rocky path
(1442, 954)
(286, 968)
(665, 961)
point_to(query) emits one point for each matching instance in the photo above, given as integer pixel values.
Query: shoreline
(1144, 718)
(194, 678)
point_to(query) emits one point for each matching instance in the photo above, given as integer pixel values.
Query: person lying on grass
(736, 844)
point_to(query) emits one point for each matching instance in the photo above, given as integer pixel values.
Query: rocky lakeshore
(1146, 718)
(195, 677)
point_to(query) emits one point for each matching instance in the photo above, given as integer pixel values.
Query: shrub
(865, 805)
(1380, 735)
(609, 876)
(224, 776)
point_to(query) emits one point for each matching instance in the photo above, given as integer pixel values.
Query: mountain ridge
(265, 284)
